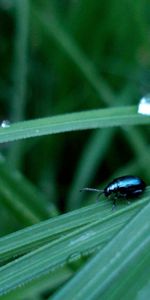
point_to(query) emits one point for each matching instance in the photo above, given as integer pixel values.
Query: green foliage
(78, 69)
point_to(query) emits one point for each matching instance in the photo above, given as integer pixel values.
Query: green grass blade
(54, 29)
(20, 59)
(26, 239)
(100, 118)
(110, 274)
(20, 66)
(49, 257)
(39, 285)
(89, 162)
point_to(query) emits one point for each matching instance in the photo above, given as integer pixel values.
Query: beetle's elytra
(125, 187)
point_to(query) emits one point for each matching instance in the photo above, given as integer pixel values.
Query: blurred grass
(19, 73)
(60, 57)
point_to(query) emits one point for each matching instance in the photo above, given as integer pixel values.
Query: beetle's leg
(114, 198)
(114, 203)
(114, 207)
(124, 197)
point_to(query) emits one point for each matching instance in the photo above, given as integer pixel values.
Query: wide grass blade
(34, 236)
(112, 273)
(100, 118)
(37, 286)
(80, 242)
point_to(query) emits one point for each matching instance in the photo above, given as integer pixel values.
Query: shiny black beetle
(125, 187)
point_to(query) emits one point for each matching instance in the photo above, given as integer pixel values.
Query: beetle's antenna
(92, 190)
(100, 192)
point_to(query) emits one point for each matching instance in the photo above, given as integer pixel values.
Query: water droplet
(82, 238)
(37, 131)
(74, 260)
(74, 257)
(144, 105)
(5, 124)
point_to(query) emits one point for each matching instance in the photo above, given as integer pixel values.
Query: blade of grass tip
(100, 118)
(19, 73)
(108, 272)
(89, 162)
(53, 27)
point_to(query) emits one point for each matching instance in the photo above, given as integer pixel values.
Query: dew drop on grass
(74, 257)
(144, 105)
(74, 260)
(5, 124)
(82, 238)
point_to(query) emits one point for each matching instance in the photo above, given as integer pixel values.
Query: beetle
(124, 187)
